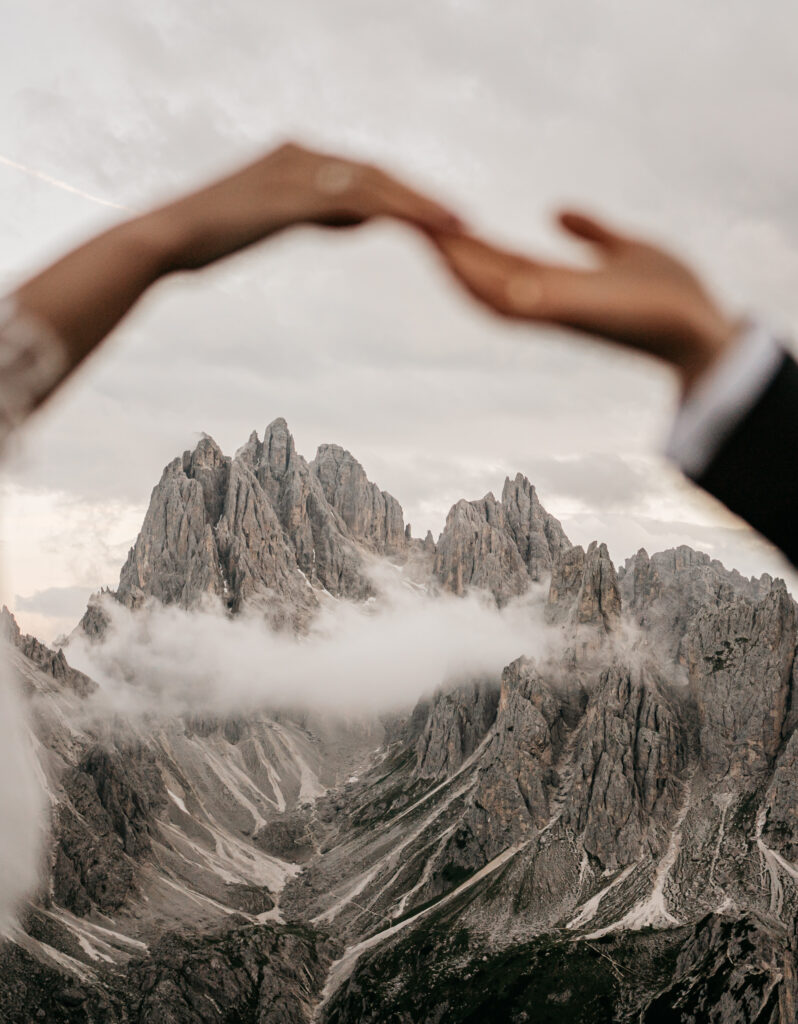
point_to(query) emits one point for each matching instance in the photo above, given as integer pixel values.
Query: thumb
(590, 230)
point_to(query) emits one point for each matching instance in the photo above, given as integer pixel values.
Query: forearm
(86, 293)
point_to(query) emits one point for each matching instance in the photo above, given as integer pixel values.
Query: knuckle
(289, 147)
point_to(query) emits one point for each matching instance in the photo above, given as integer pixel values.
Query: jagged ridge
(644, 776)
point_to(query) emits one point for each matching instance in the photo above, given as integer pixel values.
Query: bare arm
(85, 294)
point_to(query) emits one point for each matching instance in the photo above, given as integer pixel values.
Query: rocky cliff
(605, 833)
(263, 527)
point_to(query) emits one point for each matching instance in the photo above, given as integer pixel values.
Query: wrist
(160, 241)
(712, 334)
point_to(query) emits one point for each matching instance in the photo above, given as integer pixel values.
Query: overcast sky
(674, 118)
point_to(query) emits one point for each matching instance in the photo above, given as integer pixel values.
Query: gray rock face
(457, 722)
(539, 537)
(599, 601)
(175, 558)
(725, 646)
(53, 662)
(566, 582)
(723, 971)
(104, 828)
(629, 762)
(250, 974)
(584, 589)
(259, 567)
(322, 546)
(372, 516)
(263, 975)
(663, 593)
(730, 971)
(522, 770)
(500, 546)
(263, 529)
(780, 825)
(609, 763)
(476, 550)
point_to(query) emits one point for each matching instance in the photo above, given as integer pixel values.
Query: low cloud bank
(357, 658)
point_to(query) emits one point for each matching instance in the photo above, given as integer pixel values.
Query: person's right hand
(290, 185)
(636, 294)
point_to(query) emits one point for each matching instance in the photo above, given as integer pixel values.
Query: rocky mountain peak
(265, 527)
(663, 592)
(599, 599)
(585, 590)
(52, 662)
(372, 516)
(278, 452)
(500, 546)
(539, 537)
(175, 559)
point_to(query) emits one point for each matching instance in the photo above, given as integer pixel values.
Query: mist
(374, 657)
(21, 799)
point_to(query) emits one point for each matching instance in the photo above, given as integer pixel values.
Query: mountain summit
(267, 528)
(606, 833)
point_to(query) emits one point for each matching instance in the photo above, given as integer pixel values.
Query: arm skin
(641, 297)
(86, 293)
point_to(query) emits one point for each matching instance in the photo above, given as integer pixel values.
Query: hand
(85, 294)
(291, 185)
(636, 294)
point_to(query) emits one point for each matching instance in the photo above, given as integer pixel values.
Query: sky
(674, 119)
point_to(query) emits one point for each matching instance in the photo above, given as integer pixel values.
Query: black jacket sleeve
(755, 472)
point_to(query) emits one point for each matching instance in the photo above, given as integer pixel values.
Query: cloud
(357, 658)
(600, 480)
(59, 602)
(21, 800)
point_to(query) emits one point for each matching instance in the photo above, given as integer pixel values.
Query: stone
(373, 517)
(476, 550)
(539, 537)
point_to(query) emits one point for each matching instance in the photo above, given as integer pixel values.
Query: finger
(396, 199)
(509, 284)
(469, 250)
(591, 230)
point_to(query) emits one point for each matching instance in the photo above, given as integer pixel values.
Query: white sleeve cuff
(722, 397)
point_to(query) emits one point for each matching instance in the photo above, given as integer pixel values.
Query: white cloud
(21, 800)
(357, 658)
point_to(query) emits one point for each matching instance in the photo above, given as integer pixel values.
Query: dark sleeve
(755, 472)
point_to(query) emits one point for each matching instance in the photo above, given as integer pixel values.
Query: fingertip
(588, 228)
(573, 220)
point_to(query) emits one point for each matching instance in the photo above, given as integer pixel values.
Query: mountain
(606, 833)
